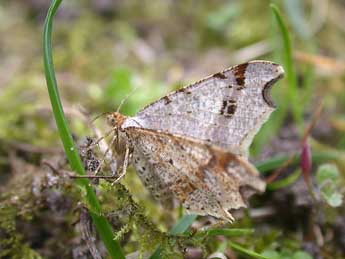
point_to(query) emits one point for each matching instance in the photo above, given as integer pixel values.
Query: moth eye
(111, 120)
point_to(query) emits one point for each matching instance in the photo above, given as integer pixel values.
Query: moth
(192, 144)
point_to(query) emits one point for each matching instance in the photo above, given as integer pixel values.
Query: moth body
(193, 143)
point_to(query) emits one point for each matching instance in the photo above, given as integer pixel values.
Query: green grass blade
(102, 225)
(278, 161)
(229, 232)
(289, 66)
(289, 180)
(246, 251)
(183, 224)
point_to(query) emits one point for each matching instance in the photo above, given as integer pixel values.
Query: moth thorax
(116, 119)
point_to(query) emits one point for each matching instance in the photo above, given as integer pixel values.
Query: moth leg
(124, 166)
(114, 166)
(105, 155)
(97, 141)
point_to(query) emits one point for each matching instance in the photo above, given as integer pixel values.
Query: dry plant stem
(73, 176)
(307, 132)
(322, 62)
(87, 233)
(311, 125)
(34, 149)
(51, 166)
(279, 170)
(314, 120)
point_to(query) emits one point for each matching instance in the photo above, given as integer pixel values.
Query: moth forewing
(225, 109)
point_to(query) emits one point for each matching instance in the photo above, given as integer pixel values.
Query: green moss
(12, 244)
(34, 198)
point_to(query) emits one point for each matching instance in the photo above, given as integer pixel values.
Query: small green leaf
(327, 172)
(246, 251)
(327, 178)
(317, 157)
(285, 182)
(301, 255)
(335, 199)
(286, 254)
(183, 224)
(271, 254)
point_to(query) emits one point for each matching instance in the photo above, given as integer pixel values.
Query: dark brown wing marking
(240, 72)
(228, 108)
(167, 99)
(220, 75)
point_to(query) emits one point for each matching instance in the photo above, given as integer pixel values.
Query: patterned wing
(226, 109)
(207, 180)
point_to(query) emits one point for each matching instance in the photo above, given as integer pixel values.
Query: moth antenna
(126, 98)
(98, 116)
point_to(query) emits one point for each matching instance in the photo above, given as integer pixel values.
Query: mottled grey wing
(226, 109)
(153, 182)
(207, 180)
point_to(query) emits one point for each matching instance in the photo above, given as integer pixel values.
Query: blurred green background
(105, 49)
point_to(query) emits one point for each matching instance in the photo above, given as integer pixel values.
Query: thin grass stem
(102, 225)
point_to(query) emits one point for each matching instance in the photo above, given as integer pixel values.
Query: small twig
(314, 120)
(87, 232)
(51, 166)
(307, 132)
(321, 62)
(34, 149)
(74, 176)
(279, 170)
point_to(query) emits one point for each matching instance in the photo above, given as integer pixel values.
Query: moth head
(115, 119)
